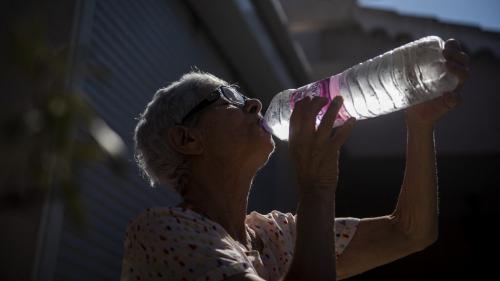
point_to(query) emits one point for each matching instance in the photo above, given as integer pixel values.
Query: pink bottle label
(328, 88)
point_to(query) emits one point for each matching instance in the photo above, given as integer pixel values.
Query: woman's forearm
(314, 254)
(417, 207)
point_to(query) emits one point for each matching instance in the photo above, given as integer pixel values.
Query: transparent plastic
(395, 80)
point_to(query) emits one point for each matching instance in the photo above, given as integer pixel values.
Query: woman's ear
(185, 140)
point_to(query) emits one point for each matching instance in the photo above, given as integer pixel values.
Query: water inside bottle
(395, 80)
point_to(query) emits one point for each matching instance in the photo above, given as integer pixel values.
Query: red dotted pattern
(173, 243)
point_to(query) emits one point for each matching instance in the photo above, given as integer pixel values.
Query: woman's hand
(426, 114)
(315, 151)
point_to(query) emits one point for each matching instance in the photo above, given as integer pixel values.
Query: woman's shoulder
(272, 223)
(272, 217)
(180, 242)
(172, 218)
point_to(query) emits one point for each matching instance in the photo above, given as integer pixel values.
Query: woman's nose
(253, 106)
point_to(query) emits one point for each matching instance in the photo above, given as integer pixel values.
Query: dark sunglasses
(227, 92)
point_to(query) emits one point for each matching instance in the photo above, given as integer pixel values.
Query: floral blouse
(174, 243)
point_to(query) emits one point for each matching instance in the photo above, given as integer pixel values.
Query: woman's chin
(270, 146)
(266, 135)
(268, 141)
(263, 151)
(263, 145)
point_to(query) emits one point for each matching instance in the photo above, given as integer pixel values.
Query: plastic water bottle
(407, 75)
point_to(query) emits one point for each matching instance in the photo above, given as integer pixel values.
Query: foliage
(48, 131)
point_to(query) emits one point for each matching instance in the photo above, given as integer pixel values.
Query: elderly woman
(204, 138)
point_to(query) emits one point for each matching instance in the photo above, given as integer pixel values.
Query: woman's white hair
(158, 162)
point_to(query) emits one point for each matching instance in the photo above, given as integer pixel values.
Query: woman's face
(234, 134)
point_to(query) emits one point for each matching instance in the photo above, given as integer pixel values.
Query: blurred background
(77, 73)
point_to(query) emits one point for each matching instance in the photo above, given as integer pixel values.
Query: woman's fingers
(457, 56)
(343, 132)
(326, 125)
(461, 71)
(457, 61)
(296, 120)
(303, 119)
(311, 112)
(315, 154)
(452, 44)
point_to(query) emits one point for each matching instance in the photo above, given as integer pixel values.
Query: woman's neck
(221, 197)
